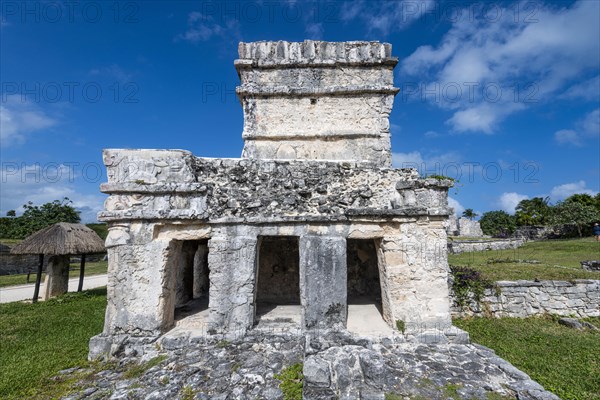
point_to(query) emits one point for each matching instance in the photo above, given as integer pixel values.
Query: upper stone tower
(317, 100)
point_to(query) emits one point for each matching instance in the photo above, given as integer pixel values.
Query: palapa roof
(61, 239)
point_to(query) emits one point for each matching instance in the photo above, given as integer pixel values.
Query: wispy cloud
(202, 28)
(19, 119)
(114, 72)
(503, 66)
(385, 17)
(561, 192)
(41, 184)
(587, 127)
(567, 136)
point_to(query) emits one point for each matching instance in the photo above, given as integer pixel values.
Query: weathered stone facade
(527, 298)
(315, 175)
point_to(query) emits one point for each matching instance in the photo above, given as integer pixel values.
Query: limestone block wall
(580, 297)
(11, 264)
(467, 227)
(317, 100)
(173, 184)
(463, 246)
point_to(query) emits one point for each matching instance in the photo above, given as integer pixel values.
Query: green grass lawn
(38, 340)
(563, 360)
(91, 268)
(549, 259)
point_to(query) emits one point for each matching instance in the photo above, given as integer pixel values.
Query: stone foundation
(529, 298)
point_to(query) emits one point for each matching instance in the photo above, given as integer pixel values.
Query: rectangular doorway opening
(365, 313)
(277, 296)
(192, 283)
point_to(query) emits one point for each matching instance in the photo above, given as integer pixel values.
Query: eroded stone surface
(336, 366)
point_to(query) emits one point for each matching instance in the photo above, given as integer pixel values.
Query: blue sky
(504, 96)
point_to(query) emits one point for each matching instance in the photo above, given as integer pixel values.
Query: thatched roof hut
(61, 239)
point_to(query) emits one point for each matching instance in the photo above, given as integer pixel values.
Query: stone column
(323, 281)
(57, 277)
(416, 273)
(232, 261)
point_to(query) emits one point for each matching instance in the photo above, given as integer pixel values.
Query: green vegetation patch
(292, 381)
(542, 260)
(38, 340)
(563, 360)
(137, 370)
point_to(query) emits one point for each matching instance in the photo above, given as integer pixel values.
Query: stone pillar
(416, 275)
(232, 260)
(323, 281)
(57, 277)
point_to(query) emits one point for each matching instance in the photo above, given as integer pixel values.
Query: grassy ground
(38, 340)
(563, 360)
(549, 259)
(91, 268)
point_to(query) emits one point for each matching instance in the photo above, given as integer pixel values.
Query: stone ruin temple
(310, 220)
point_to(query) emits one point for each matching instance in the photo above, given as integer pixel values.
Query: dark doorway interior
(363, 271)
(192, 278)
(278, 278)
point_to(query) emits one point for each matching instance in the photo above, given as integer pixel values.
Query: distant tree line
(35, 218)
(579, 210)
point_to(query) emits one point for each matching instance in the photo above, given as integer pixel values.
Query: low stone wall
(12, 264)
(580, 298)
(462, 246)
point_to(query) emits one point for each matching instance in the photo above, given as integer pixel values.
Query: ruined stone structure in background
(463, 226)
(312, 215)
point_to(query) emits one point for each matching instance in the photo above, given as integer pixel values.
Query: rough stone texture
(464, 246)
(467, 227)
(12, 264)
(452, 224)
(337, 365)
(333, 104)
(591, 265)
(526, 298)
(323, 281)
(57, 277)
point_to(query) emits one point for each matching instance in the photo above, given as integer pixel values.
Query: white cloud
(431, 134)
(18, 119)
(591, 123)
(429, 163)
(508, 201)
(458, 208)
(385, 17)
(113, 71)
(314, 31)
(202, 28)
(567, 136)
(561, 192)
(42, 184)
(481, 56)
(587, 90)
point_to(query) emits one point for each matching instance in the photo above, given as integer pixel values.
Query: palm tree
(469, 213)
